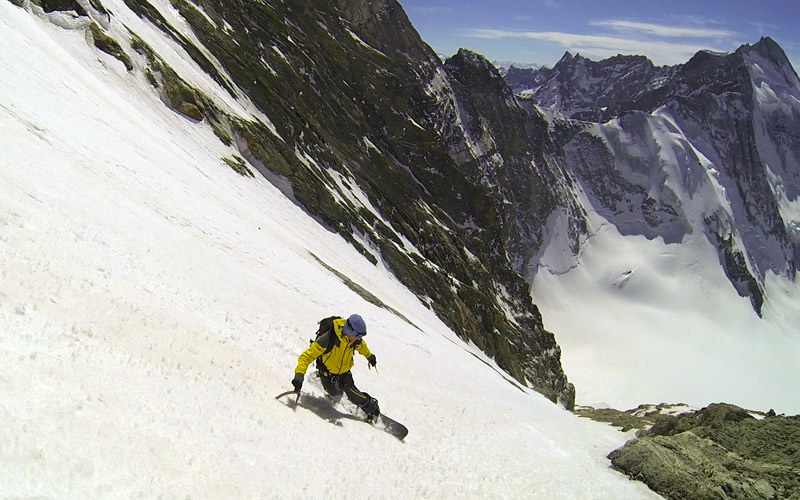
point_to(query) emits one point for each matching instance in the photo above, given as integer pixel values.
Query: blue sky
(539, 31)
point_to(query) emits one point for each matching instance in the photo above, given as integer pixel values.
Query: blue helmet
(355, 326)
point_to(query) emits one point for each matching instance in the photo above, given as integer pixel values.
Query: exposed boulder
(110, 46)
(719, 452)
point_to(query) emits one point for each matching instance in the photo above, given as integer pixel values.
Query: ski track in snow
(153, 302)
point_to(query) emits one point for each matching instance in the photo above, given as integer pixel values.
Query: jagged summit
(702, 58)
(602, 90)
(772, 51)
(385, 24)
(466, 56)
(566, 58)
(767, 46)
(599, 91)
(589, 90)
(471, 67)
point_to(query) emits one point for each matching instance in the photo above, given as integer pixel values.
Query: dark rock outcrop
(109, 45)
(719, 452)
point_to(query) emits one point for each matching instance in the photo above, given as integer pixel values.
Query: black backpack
(326, 336)
(325, 330)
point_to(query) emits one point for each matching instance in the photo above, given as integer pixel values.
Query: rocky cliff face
(356, 119)
(721, 451)
(709, 146)
(510, 151)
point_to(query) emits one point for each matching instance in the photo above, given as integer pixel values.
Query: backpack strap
(328, 340)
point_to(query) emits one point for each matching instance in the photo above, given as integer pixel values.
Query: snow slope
(153, 301)
(642, 320)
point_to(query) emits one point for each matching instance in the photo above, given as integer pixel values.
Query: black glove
(371, 360)
(297, 381)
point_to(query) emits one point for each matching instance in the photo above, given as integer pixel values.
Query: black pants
(343, 383)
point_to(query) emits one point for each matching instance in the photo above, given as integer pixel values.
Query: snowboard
(382, 422)
(391, 426)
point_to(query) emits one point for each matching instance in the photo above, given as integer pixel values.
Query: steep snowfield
(152, 303)
(640, 320)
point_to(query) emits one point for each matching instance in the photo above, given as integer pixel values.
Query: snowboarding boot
(372, 409)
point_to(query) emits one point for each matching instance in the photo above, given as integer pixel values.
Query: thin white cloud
(698, 20)
(660, 52)
(662, 30)
(427, 11)
(764, 28)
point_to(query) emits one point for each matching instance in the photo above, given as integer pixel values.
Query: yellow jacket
(340, 359)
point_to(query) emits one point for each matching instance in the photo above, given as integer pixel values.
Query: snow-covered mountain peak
(567, 58)
(590, 90)
(770, 65)
(769, 48)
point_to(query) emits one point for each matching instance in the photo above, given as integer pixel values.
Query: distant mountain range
(710, 145)
(504, 66)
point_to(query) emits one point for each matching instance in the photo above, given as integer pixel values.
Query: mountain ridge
(710, 106)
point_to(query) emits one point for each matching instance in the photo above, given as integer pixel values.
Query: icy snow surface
(153, 302)
(640, 321)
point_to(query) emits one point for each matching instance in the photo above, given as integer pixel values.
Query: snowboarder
(334, 349)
